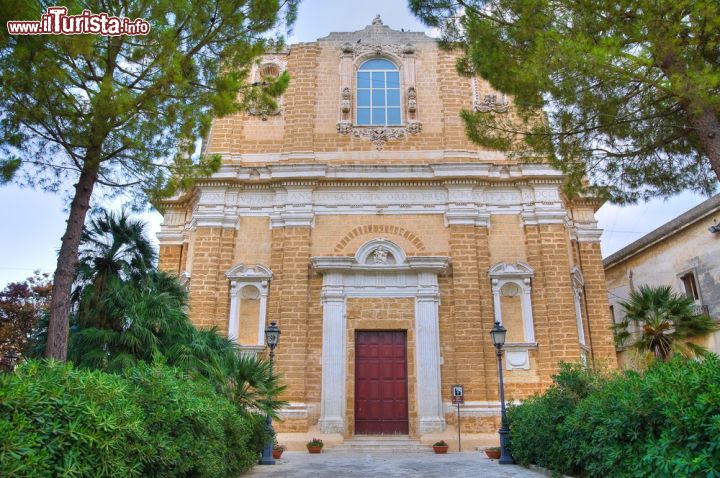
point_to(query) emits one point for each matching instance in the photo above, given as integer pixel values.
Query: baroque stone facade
(332, 227)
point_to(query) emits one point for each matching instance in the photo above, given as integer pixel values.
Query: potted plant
(440, 447)
(493, 452)
(278, 450)
(315, 445)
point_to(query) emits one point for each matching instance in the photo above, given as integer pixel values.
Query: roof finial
(377, 20)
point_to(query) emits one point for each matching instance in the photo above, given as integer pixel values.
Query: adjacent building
(360, 218)
(684, 254)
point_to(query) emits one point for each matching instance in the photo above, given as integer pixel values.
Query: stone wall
(693, 249)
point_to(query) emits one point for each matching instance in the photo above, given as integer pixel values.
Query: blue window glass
(393, 97)
(378, 79)
(393, 115)
(363, 79)
(378, 98)
(363, 116)
(378, 64)
(378, 93)
(378, 116)
(393, 79)
(363, 97)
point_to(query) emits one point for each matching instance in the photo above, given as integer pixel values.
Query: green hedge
(151, 421)
(663, 423)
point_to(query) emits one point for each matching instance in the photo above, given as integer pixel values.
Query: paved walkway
(363, 465)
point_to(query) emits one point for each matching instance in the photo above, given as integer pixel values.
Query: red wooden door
(381, 402)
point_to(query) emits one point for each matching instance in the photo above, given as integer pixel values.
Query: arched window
(378, 94)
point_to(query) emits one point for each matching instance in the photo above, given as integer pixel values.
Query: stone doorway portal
(381, 388)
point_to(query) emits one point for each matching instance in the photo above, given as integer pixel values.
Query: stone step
(379, 444)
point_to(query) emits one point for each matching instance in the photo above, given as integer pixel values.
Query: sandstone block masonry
(332, 227)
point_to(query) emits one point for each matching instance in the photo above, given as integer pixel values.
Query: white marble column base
(431, 425)
(331, 425)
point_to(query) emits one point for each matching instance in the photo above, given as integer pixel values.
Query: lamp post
(497, 334)
(272, 337)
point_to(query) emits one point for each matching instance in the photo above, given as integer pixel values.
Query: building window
(690, 286)
(378, 94)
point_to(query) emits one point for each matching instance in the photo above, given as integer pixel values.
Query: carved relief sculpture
(345, 103)
(380, 255)
(412, 100)
(272, 67)
(489, 102)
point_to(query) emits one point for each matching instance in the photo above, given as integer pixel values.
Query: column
(427, 350)
(264, 286)
(527, 315)
(233, 332)
(332, 400)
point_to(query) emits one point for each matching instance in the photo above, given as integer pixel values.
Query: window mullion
(386, 98)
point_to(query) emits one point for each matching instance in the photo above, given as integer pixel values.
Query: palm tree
(666, 321)
(128, 311)
(114, 248)
(147, 319)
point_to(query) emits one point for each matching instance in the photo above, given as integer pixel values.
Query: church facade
(360, 218)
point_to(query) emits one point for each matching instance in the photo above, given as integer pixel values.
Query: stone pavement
(365, 465)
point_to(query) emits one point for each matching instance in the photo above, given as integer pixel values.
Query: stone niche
(249, 287)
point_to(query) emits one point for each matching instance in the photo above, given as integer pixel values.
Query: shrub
(150, 421)
(58, 421)
(686, 400)
(663, 423)
(534, 425)
(193, 431)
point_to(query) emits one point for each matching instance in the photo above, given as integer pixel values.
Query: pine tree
(630, 89)
(125, 112)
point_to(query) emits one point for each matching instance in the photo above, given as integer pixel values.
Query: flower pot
(314, 449)
(493, 454)
(440, 450)
(277, 454)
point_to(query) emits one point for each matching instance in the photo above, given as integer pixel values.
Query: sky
(32, 222)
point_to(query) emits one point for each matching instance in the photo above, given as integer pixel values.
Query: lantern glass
(272, 335)
(498, 335)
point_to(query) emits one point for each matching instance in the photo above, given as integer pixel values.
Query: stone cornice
(309, 173)
(295, 202)
(413, 263)
(387, 157)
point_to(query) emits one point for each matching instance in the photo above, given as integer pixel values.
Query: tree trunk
(701, 117)
(707, 127)
(59, 326)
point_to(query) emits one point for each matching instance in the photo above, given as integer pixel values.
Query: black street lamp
(498, 334)
(272, 337)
